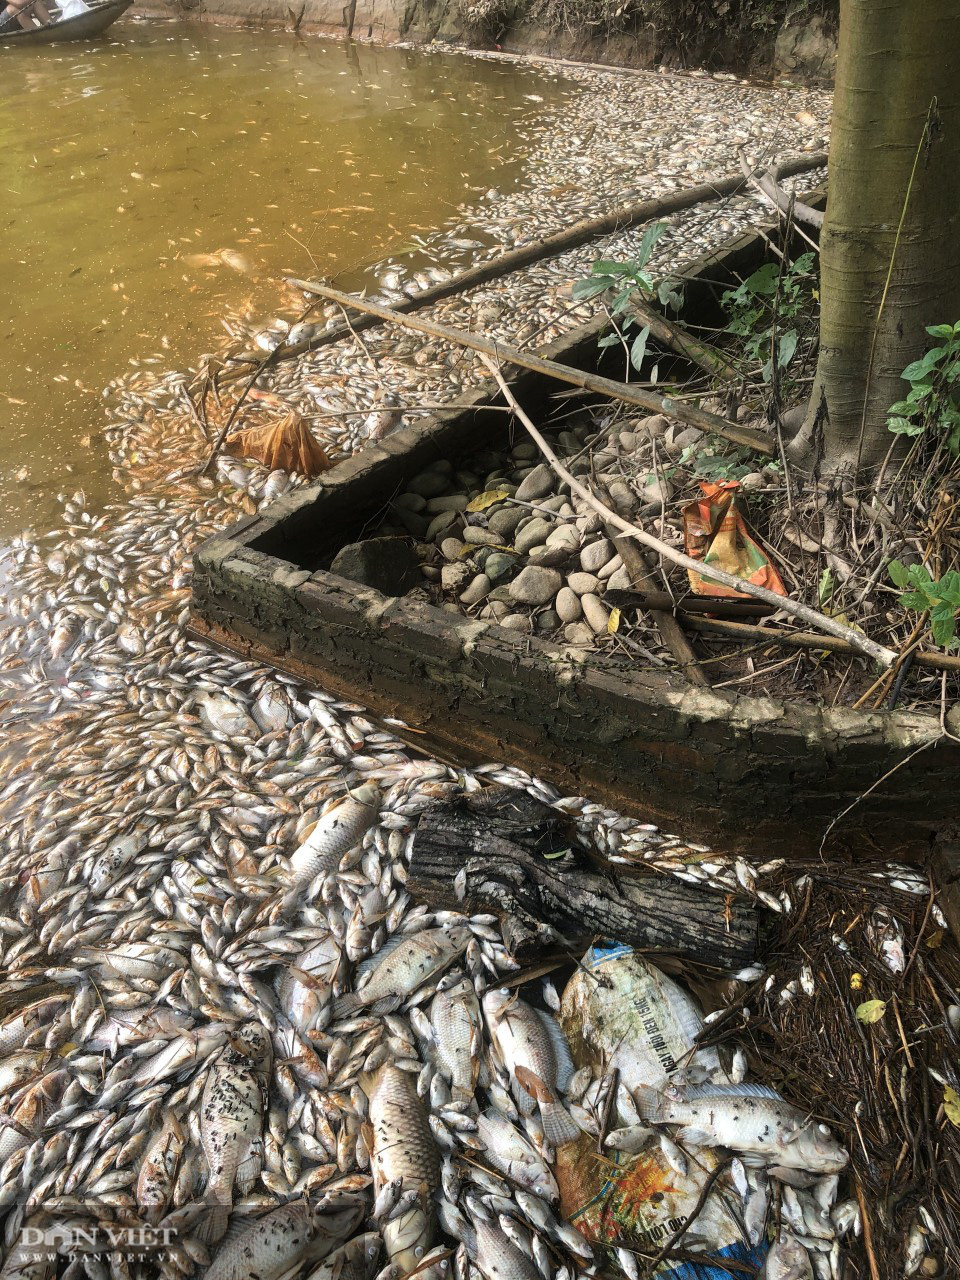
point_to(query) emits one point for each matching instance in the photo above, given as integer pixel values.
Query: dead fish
(787, 1260)
(158, 1172)
(536, 1054)
(400, 967)
(277, 1243)
(513, 1154)
(749, 1118)
(403, 1150)
(355, 1260)
(341, 826)
(458, 1033)
(224, 716)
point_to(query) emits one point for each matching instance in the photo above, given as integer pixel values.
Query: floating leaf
(871, 1010)
(613, 622)
(487, 499)
(951, 1105)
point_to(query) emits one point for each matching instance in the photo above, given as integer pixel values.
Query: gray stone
(451, 548)
(454, 576)
(595, 612)
(466, 480)
(582, 584)
(619, 580)
(567, 440)
(495, 609)
(548, 620)
(439, 524)
(623, 498)
(536, 484)
(552, 557)
(610, 568)
(658, 491)
(568, 605)
(689, 436)
(592, 522)
(753, 480)
(628, 441)
(476, 590)
(517, 622)
(498, 565)
(566, 536)
(535, 585)
(656, 424)
(410, 501)
(413, 523)
(390, 565)
(430, 484)
(478, 537)
(577, 633)
(504, 522)
(523, 451)
(431, 572)
(533, 534)
(448, 502)
(596, 555)
(553, 503)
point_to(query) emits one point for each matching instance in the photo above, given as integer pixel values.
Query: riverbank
(764, 39)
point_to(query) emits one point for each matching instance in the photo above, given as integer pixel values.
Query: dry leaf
(287, 445)
(613, 622)
(951, 1105)
(935, 939)
(856, 981)
(871, 1010)
(487, 499)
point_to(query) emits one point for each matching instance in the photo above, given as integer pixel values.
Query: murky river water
(127, 163)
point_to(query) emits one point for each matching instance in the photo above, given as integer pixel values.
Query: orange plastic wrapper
(287, 445)
(715, 532)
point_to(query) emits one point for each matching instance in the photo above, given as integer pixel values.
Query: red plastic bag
(715, 532)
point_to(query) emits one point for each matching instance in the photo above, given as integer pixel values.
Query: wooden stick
(715, 606)
(580, 233)
(624, 391)
(807, 640)
(684, 344)
(641, 575)
(879, 653)
(767, 183)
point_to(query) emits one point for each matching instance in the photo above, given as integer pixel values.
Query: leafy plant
(619, 280)
(733, 464)
(931, 401)
(924, 594)
(766, 300)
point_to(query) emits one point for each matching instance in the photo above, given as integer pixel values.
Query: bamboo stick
(863, 644)
(501, 353)
(807, 640)
(641, 575)
(684, 344)
(618, 219)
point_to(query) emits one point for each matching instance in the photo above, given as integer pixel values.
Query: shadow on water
(127, 164)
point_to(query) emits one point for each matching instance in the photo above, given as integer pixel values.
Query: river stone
(533, 534)
(536, 484)
(589, 523)
(430, 484)
(656, 424)
(448, 502)
(568, 605)
(595, 612)
(498, 565)
(451, 548)
(523, 451)
(623, 498)
(577, 633)
(753, 480)
(517, 622)
(410, 501)
(552, 557)
(476, 590)
(413, 523)
(495, 609)
(596, 555)
(684, 439)
(554, 503)
(440, 523)
(619, 580)
(478, 537)
(628, 441)
(567, 440)
(657, 491)
(610, 568)
(535, 585)
(548, 620)
(564, 536)
(504, 522)
(454, 576)
(582, 584)
(430, 572)
(390, 565)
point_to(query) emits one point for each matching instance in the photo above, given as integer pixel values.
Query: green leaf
(871, 1010)
(826, 587)
(607, 267)
(943, 630)
(915, 600)
(610, 340)
(897, 570)
(903, 427)
(786, 348)
(940, 330)
(650, 238)
(590, 287)
(764, 280)
(638, 350)
(669, 296)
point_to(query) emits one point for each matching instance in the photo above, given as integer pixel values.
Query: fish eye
(504, 991)
(418, 1251)
(824, 1129)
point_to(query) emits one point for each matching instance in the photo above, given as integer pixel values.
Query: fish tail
(559, 1126)
(344, 1005)
(647, 1101)
(213, 1224)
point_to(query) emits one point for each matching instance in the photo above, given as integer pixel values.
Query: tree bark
(895, 57)
(538, 898)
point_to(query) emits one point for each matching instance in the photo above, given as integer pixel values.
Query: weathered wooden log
(540, 899)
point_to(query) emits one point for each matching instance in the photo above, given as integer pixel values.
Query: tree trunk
(895, 59)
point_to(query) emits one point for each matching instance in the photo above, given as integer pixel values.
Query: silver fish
(458, 1032)
(276, 1244)
(400, 968)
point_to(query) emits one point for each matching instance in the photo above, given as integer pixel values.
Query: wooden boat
(83, 27)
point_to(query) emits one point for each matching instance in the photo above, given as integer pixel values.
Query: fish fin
(696, 1137)
(692, 1092)
(533, 1085)
(367, 1081)
(344, 1005)
(561, 1050)
(371, 962)
(213, 1224)
(248, 1170)
(559, 1126)
(386, 1004)
(648, 1102)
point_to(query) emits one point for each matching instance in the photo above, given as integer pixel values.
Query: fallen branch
(767, 183)
(671, 632)
(671, 335)
(879, 653)
(625, 391)
(580, 233)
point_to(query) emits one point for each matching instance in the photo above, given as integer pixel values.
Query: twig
(217, 444)
(690, 1219)
(860, 642)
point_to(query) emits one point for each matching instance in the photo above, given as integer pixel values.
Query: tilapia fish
(275, 1245)
(355, 1260)
(749, 1118)
(512, 1153)
(400, 967)
(535, 1053)
(15, 1029)
(787, 1260)
(498, 1258)
(403, 1150)
(458, 1032)
(342, 826)
(231, 1122)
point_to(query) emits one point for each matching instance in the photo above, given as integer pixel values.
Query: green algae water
(159, 180)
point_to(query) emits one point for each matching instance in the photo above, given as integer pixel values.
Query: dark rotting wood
(715, 606)
(676, 339)
(538, 898)
(945, 865)
(587, 229)
(641, 575)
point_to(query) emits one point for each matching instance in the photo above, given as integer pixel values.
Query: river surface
(127, 165)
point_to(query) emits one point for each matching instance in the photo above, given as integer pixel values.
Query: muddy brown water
(126, 163)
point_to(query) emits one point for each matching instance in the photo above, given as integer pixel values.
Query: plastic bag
(287, 445)
(715, 532)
